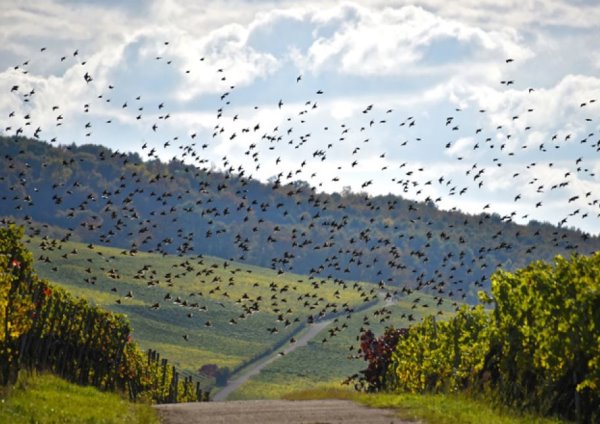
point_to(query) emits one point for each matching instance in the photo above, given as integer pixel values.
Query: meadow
(222, 291)
(432, 408)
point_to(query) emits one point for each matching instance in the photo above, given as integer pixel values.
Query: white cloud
(392, 41)
(225, 48)
(422, 59)
(520, 14)
(555, 109)
(461, 146)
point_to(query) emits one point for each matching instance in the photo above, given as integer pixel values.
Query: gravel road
(276, 412)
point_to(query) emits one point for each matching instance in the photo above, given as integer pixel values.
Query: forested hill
(105, 197)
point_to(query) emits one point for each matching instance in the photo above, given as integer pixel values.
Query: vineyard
(538, 350)
(328, 361)
(214, 285)
(42, 327)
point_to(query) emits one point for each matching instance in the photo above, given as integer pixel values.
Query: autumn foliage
(17, 282)
(377, 351)
(43, 327)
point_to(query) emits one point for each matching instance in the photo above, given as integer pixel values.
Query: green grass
(49, 399)
(433, 409)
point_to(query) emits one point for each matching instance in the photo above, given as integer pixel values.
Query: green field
(46, 399)
(220, 291)
(327, 364)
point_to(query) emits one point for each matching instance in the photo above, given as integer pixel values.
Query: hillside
(104, 197)
(227, 312)
(327, 361)
(144, 238)
(248, 309)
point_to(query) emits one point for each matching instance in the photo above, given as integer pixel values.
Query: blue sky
(426, 61)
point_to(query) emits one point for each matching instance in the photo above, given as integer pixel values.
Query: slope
(107, 197)
(330, 358)
(48, 399)
(194, 310)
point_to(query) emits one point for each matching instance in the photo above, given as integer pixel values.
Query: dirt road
(232, 385)
(276, 412)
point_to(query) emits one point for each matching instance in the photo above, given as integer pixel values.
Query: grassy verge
(48, 399)
(432, 409)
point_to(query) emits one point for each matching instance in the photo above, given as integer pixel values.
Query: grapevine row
(538, 349)
(43, 327)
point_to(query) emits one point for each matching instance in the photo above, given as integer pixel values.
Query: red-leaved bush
(377, 351)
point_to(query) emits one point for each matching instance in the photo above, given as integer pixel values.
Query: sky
(483, 106)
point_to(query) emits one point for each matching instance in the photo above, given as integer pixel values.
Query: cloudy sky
(478, 105)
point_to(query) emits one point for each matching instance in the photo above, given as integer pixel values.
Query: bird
(195, 202)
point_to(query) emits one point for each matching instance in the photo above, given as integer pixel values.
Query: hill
(331, 357)
(227, 312)
(104, 197)
(167, 297)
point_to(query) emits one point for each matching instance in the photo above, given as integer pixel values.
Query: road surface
(276, 412)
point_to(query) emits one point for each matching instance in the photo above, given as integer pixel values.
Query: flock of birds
(259, 141)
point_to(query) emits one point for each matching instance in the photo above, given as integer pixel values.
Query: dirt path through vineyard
(276, 411)
(258, 366)
(254, 368)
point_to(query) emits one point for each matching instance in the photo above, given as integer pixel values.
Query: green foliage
(151, 379)
(450, 354)
(546, 329)
(538, 350)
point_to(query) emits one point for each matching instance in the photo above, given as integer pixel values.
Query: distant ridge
(111, 198)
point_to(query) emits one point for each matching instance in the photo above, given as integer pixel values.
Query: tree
(222, 376)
